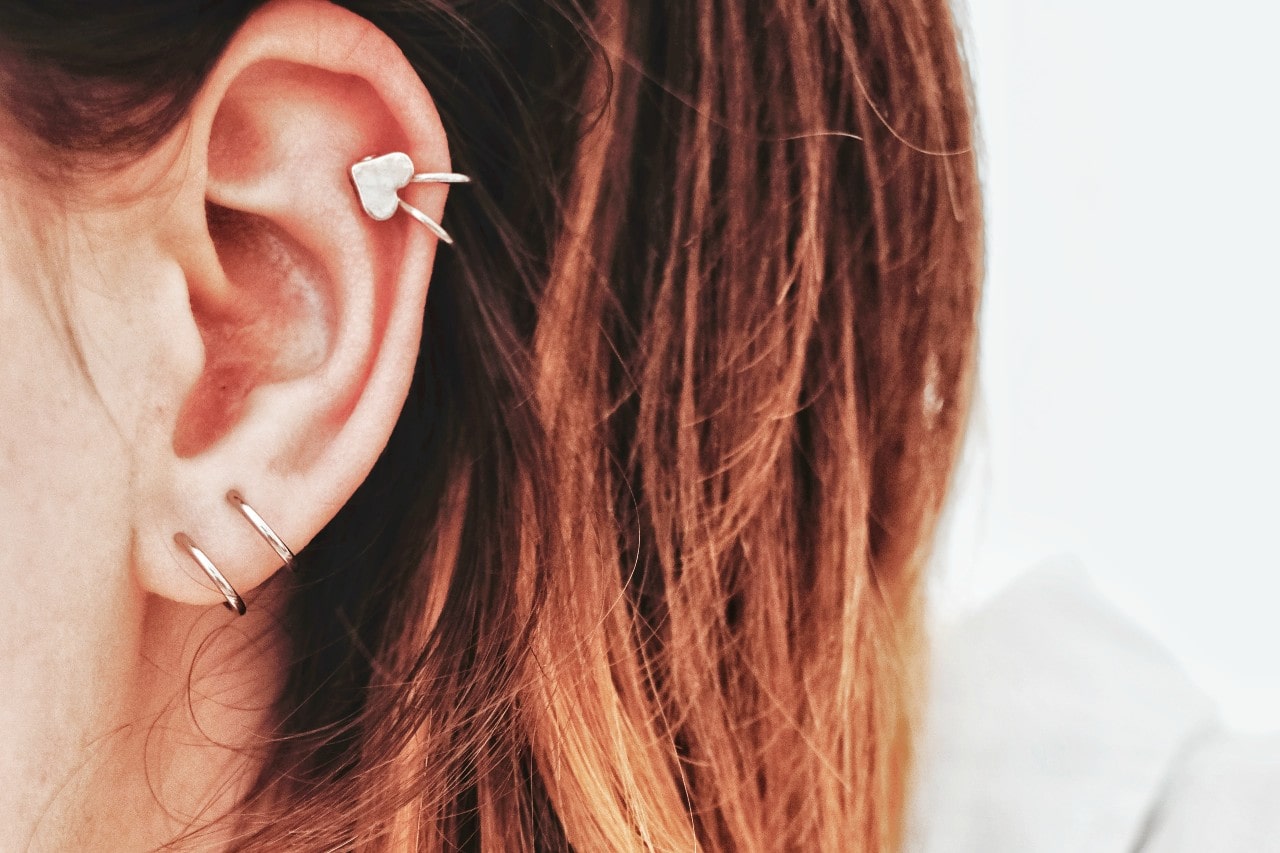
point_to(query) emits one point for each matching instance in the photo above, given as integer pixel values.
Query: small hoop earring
(234, 601)
(264, 529)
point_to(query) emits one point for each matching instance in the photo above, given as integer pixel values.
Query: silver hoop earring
(264, 529)
(234, 601)
(378, 181)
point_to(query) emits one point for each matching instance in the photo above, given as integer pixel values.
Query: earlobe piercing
(378, 181)
(264, 529)
(233, 599)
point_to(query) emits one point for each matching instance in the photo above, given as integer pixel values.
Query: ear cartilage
(378, 181)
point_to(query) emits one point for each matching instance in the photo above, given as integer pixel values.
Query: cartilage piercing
(378, 181)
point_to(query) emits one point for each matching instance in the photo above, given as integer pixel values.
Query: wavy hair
(641, 566)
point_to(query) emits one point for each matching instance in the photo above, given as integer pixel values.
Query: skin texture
(218, 314)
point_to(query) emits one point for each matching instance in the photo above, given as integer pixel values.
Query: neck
(129, 720)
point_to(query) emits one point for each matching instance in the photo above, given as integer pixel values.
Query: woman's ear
(282, 322)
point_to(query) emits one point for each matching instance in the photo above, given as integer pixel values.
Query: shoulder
(1225, 795)
(1055, 724)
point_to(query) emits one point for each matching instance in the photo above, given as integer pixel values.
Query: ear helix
(378, 181)
(233, 600)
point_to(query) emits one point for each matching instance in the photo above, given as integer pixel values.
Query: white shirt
(1056, 725)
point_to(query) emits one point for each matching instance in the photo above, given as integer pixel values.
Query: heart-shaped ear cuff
(378, 181)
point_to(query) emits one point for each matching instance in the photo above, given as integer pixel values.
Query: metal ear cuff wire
(432, 178)
(233, 600)
(379, 179)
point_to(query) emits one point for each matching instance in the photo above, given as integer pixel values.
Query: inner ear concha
(271, 320)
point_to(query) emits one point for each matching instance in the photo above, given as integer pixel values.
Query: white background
(1128, 409)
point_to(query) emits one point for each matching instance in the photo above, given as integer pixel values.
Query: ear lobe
(309, 311)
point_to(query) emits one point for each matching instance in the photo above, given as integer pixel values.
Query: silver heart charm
(378, 181)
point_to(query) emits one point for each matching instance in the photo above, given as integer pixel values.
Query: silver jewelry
(378, 181)
(234, 601)
(264, 529)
